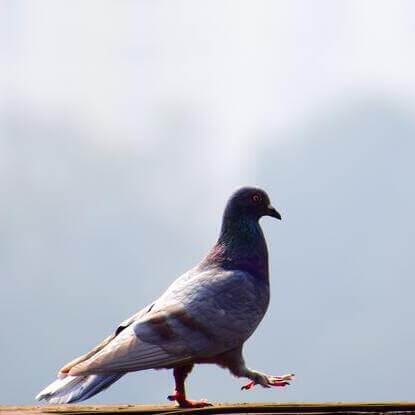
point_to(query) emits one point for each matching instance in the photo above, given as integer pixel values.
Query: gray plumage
(205, 316)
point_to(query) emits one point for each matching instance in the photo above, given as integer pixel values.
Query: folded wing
(201, 318)
(154, 341)
(63, 372)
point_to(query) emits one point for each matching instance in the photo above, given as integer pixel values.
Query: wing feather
(65, 369)
(127, 353)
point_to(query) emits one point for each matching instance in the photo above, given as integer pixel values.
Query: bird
(205, 316)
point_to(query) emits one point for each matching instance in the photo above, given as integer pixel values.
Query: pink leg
(272, 381)
(187, 403)
(179, 395)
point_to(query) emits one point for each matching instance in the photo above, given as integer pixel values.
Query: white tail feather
(76, 388)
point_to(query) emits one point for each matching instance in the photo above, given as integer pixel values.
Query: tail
(76, 388)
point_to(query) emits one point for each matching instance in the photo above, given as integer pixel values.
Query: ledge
(320, 408)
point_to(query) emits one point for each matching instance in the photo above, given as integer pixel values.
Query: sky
(124, 127)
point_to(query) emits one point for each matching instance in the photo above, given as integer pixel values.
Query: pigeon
(205, 316)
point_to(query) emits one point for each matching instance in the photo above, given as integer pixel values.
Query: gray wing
(127, 353)
(65, 369)
(201, 315)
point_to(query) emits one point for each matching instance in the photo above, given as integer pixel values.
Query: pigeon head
(250, 202)
(241, 244)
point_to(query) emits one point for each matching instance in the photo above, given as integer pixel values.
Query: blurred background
(124, 127)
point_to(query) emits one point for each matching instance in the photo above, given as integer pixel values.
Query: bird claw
(248, 385)
(187, 403)
(202, 403)
(271, 381)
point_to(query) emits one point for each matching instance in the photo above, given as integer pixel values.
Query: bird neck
(241, 245)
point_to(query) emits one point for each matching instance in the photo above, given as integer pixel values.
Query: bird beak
(271, 211)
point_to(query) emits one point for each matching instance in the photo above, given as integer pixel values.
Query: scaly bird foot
(271, 381)
(187, 403)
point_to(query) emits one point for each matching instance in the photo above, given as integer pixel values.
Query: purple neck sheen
(241, 246)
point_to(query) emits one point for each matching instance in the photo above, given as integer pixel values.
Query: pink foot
(272, 381)
(187, 403)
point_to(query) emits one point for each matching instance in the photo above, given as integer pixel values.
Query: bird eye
(256, 198)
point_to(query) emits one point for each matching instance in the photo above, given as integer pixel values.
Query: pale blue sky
(124, 128)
